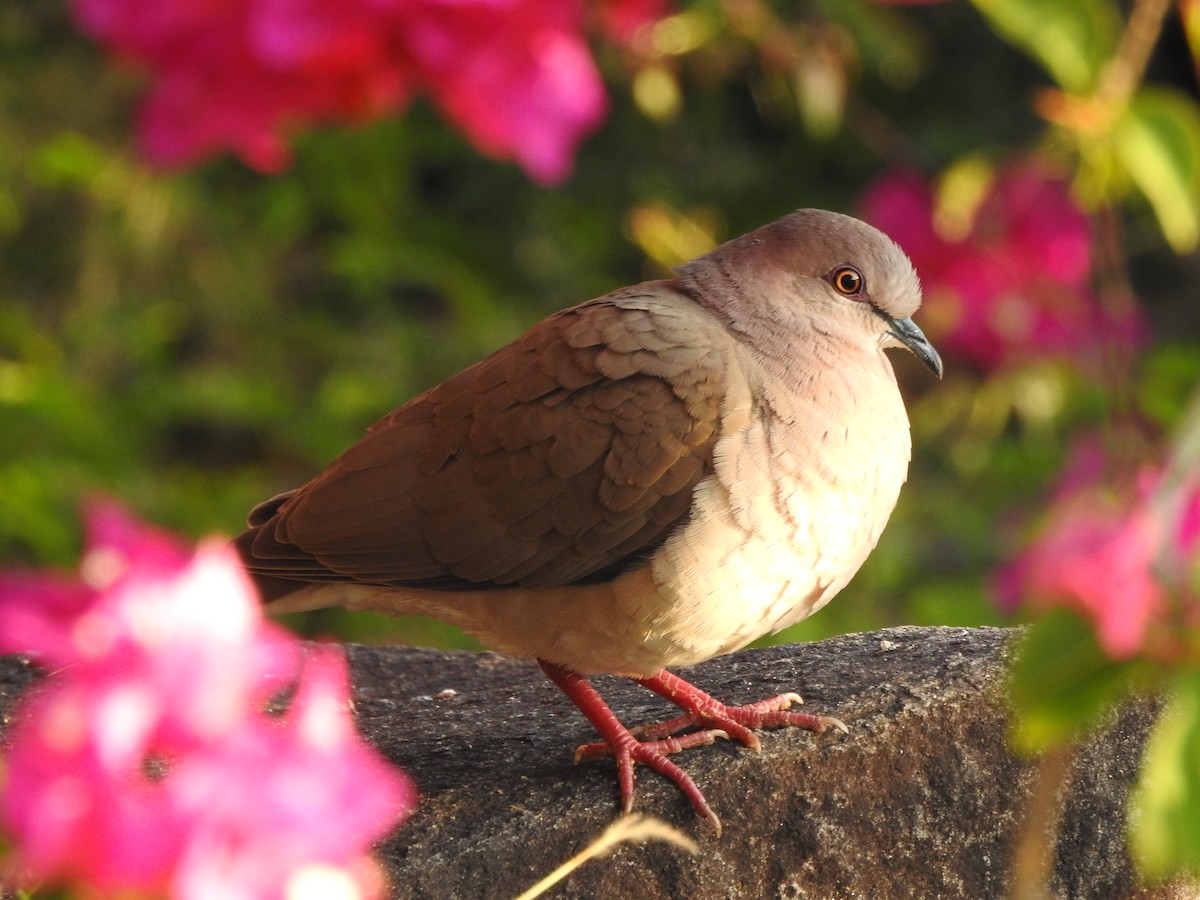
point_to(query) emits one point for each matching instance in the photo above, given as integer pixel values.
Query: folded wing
(565, 457)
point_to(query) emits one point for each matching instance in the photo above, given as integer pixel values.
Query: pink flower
(515, 75)
(240, 74)
(145, 613)
(142, 759)
(1015, 282)
(621, 20)
(1102, 552)
(285, 798)
(62, 620)
(78, 799)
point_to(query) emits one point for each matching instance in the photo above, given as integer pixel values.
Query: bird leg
(714, 718)
(627, 749)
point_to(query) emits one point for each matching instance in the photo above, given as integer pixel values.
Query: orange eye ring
(847, 280)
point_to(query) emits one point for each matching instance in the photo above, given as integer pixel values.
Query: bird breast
(798, 499)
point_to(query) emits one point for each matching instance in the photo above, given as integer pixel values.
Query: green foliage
(1072, 39)
(1158, 143)
(1062, 682)
(1164, 835)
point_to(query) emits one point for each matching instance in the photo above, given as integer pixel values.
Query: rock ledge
(921, 799)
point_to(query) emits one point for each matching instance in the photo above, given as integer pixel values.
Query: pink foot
(715, 720)
(624, 747)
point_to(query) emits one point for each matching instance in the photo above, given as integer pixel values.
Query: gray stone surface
(921, 799)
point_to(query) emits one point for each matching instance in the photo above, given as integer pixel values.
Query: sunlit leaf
(67, 158)
(1158, 143)
(1062, 682)
(1071, 39)
(1164, 835)
(1169, 377)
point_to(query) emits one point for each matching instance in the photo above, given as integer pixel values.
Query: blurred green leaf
(1158, 143)
(1164, 835)
(1170, 375)
(952, 601)
(67, 158)
(1061, 682)
(1071, 39)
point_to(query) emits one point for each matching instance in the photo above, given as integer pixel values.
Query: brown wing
(563, 457)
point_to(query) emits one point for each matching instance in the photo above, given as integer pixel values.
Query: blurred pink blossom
(515, 75)
(621, 20)
(283, 798)
(146, 762)
(1016, 282)
(1103, 552)
(146, 612)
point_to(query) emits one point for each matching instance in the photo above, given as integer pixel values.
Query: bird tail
(288, 579)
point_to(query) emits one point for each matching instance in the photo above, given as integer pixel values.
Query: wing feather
(561, 458)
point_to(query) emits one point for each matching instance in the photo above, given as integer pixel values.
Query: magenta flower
(1119, 558)
(1015, 283)
(78, 800)
(145, 613)
(515, 75)
(146, 762)
(288, 799)
(621, 20)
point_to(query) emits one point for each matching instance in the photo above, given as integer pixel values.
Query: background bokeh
(193, 341)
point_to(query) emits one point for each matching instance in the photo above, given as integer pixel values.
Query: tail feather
(266, 560)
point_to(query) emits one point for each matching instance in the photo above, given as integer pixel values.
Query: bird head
(813, 273)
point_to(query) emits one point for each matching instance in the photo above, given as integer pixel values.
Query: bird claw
(654, 742)
(651, 753)
(831, 722)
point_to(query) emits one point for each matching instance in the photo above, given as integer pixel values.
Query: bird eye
(847, 280)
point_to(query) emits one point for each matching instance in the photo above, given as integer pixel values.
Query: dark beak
(912, 337)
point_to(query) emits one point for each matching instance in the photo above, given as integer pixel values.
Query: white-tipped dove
(648, 479)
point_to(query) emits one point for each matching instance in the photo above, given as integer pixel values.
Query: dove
(641, 482)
